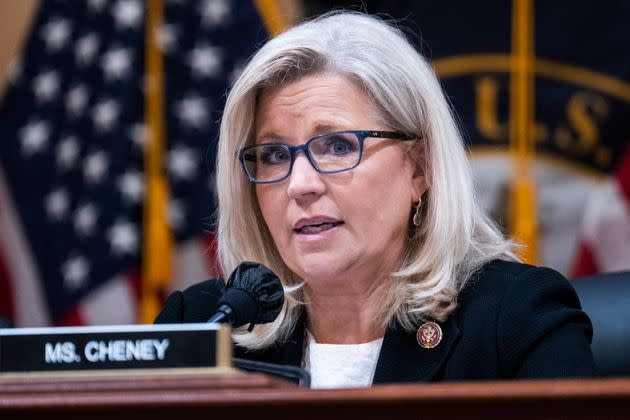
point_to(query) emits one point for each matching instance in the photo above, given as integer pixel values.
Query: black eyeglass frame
(293, 150)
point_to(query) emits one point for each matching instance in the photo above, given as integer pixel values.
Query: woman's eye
(274, 156)
(340, 146)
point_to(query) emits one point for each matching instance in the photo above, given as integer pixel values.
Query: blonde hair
(455, 237)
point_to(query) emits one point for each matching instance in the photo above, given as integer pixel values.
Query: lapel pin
(429, 335)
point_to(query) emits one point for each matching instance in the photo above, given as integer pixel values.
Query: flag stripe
(623, 176)
(7, 308)
(585, 264)
(71, 318)
(606, 232)
(30, 308)
(112, 303)
(190, 265)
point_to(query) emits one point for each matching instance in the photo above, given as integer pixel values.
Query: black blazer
(512, 321)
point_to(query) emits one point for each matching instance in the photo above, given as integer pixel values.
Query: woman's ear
(419, 161)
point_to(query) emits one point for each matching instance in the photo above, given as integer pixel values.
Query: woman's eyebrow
(269, 137)
(318, 128)
(324, 127)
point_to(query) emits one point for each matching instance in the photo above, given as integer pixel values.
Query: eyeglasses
(328, 153)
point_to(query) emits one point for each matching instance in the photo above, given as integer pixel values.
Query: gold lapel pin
(429, 335)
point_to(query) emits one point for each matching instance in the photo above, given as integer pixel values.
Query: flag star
(128, 13)
(182, 163)
(57, 203)
(138, 134)
(86, 48)
(67, 152)
(166, 36)
(116, 63)
(14, 70)
(46, 86)
(56, 33)
(123, 238)
(76, 100)
(75, 271)
(94, 167)
(205, 61)
(131, 185)
(192, 111)
(236, 72)
(105, 114)
(85, 219)
(176, 215)
(96, 5)
(214, 12)
(34, 136)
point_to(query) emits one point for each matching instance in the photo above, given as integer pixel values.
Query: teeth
(317, 228)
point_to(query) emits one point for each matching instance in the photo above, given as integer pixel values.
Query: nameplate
(115, 347)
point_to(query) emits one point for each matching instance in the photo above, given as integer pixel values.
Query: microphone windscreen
(243, 305)
(263, 286)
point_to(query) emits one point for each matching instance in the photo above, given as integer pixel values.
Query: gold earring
(417, 218)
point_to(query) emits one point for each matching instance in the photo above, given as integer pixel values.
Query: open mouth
(317, 227)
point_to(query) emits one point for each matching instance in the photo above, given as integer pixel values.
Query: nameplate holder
(115, 347)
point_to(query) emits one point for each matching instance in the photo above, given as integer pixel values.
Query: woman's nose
(304, 179)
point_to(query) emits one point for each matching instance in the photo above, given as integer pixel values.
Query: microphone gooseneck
(254, 295)
(224, 313)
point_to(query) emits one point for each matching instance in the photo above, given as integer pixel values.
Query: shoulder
(197, 303)
(213, 287)
(506, 289)
(498, 279)
(531, 315)
(513, 269)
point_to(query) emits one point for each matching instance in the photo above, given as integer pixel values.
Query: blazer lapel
(402, 359)
(290, 352)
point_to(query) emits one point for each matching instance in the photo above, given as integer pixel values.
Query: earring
(417, 218)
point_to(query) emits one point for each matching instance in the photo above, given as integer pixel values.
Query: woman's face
(341, 231)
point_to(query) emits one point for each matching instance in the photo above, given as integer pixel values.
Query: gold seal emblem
(429, 335)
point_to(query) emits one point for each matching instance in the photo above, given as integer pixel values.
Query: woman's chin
(318, 274)
(323, 273)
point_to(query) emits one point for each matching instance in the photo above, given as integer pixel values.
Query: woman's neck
(346, 317)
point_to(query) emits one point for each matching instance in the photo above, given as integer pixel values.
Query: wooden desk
(254, 396)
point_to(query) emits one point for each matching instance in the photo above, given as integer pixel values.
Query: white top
(341, 365)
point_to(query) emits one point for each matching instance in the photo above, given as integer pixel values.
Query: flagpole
(157, 240)
(273, 18)
(523, 222)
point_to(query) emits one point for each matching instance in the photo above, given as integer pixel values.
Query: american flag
(72, 184)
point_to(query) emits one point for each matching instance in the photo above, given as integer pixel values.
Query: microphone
(254, 295)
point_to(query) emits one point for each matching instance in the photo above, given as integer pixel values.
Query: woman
(352, 184)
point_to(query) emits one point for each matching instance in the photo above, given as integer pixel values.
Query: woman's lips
(317, 228)
(315, 225)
